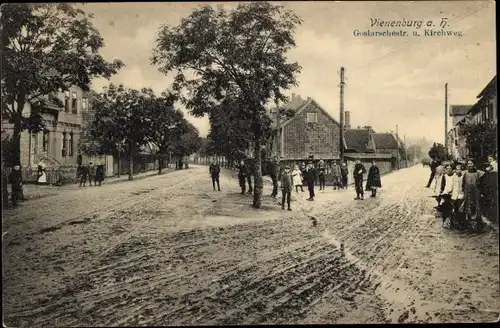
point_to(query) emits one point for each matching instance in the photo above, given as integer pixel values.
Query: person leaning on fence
(214, 171)
(16, 182)
(286, 188)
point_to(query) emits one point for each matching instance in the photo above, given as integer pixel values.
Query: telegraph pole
(446, 119)
(397, 139)
(342, 84)
(406, 150)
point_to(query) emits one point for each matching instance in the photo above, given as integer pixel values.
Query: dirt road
(168, 250)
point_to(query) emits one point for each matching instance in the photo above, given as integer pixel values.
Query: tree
(239, 55)
(121, 123)
(46, 48)
(186, 140)
(167, 124)
(481, 139)
(438, 151)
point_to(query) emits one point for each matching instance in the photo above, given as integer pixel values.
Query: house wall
(32, 144)
(300, 139)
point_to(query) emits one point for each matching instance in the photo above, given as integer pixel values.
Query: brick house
(311, 131)
(57, 145)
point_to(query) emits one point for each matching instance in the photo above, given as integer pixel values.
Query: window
(74, 103)
(70, 144)
(45, 141)
(84, 104)
(490, 112)
(312, 118)
(483, 114)
(63, 145)
(66, 101)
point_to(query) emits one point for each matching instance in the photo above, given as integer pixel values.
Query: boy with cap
(286, 188)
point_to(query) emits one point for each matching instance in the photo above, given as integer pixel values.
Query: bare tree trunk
(131, 163)
(161, 160)
(258, 183)
(16, 144)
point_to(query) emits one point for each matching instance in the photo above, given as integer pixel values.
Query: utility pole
(446, 119)
(397, 139)
(342, 84)
(406, 151)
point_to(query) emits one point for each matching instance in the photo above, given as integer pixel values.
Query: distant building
(457, 147)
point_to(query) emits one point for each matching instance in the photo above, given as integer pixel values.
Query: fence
(55, 175)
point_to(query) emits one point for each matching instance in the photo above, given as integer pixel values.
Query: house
(57, 144)
(85, 152)
(311, 131)
(455, 139)
(485, 109)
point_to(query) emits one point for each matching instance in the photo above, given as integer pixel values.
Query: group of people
(458, 189)
(91, 173)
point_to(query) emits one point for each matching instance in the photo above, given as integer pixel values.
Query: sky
(390, 81)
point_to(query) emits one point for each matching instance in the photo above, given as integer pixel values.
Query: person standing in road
(242, 174)
(310, 177)
(344, 172)
(214, 171)
(16, 182)
(445, 193)
(91, 173)
(457, 197)
(249, 177)
(359, 171)
(321, 174)
(297, 179)
(472, 196)
(336, 175)
(433, 165)
(99, 174)
(84, 171)
(373, 180)
(286, 188)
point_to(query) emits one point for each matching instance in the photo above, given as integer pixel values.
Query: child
(286, 188)
(445, 195)
(16, 181)
(321, 174)
(438, 177)
(297, 179)
(457, 197)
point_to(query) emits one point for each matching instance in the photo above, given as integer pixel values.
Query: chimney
(347, 120)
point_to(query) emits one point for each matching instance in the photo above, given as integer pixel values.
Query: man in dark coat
(310, 177)
(373, 181)
(99, 174)
(214, 170)
(84, 171)
(434, 164)
(359, 170)
(286, 188)
(321, 174)
(344, 172)
(16, 181)
(242, 175)
(91, 173)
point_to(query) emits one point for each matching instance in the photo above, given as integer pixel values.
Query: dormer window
(74, 103)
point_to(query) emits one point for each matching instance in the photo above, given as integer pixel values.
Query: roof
(385, 141)
(294, 104)
(368, 156)
(490, 87)
(458, 110)
(300, 106)
(358, 140)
